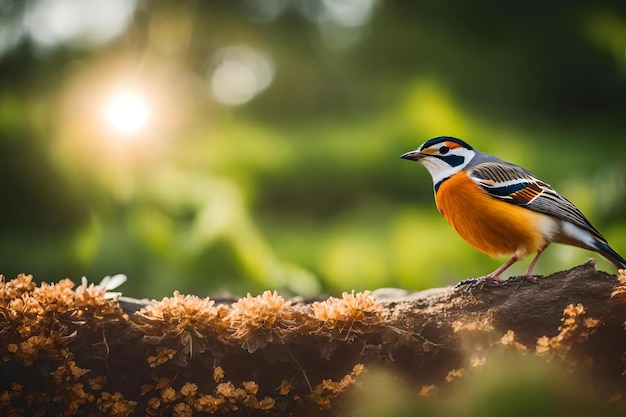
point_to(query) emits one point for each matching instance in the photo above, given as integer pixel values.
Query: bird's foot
(521, 278)
(531, 278)
(487, 280)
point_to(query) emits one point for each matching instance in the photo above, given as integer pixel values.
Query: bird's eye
(444, 150)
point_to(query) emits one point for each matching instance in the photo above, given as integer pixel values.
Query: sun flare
(127, 113)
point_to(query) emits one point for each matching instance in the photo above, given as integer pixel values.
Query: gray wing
(516, 185)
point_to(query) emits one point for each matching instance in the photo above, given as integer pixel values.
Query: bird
(502, 209)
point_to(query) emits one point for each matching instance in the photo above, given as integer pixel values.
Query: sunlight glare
(241, 73)
(89, 22)
(127, 113)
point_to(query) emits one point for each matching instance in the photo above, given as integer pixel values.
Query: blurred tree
(266, 155)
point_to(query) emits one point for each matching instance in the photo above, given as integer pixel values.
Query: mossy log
(79, 351)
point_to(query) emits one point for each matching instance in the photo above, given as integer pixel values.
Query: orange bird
(503, 209)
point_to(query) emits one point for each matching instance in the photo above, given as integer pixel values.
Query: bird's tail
(605, 250)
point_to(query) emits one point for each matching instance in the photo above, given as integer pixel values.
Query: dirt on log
(81, 351)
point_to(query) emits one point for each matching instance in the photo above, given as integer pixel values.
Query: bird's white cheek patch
(437, 168)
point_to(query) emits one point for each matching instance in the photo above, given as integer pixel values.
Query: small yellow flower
(251, 387)
(162, 382)
(427, 390)
(189, 390)
(168, 394)
(543, 345)
(226, 389)
(98, 382)
(218, 374)
(154, 403)
(475, 361)
(267, 403)
(181, 410)
(285, 387)
(146, 388)
(455, 374)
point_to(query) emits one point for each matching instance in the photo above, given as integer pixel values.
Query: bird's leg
(495, 275)
(492, 279)
(528, 274)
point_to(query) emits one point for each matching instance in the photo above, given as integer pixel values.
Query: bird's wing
(515, 185)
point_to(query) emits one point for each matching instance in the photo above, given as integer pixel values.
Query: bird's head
(442, 156)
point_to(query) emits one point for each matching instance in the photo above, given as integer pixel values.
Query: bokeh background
(242, 145)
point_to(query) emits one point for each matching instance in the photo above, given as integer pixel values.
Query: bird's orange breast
(490, 225)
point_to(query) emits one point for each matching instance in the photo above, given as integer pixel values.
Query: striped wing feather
(518, 186)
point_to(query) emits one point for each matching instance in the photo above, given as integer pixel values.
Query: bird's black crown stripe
(440, 139)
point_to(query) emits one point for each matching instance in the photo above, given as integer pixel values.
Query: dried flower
(15, 288)
(163, 355)
(619, 292)
(348, 316)
(98, 382)
(575, 327)
(189, 390)
(92, 301)
(162, 382)
(427, 390)
(476, 361)
(218, 374)
(484, 325)
(328, 389)
(190, 318)
(266, 403)
(182, 410)
(257, 320)
(154, 403)
(251, 387)
(455, 374)
(146, 388)
(225, 389)
(115, 405)
(168, 394)
(285, 387)
(68, 371)
(208, 403)
(543, 345)
(5, 398)
(182, 313)
(509, 339)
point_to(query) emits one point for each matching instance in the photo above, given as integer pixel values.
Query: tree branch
(73, 351)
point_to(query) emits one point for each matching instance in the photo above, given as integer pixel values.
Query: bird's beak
(413, 155)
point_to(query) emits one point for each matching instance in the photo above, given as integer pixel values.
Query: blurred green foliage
(505, 386)
(271, 156)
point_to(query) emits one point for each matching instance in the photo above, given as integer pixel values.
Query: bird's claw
(522, 278)
(479, 282)
(532, 279)
(492, 282)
